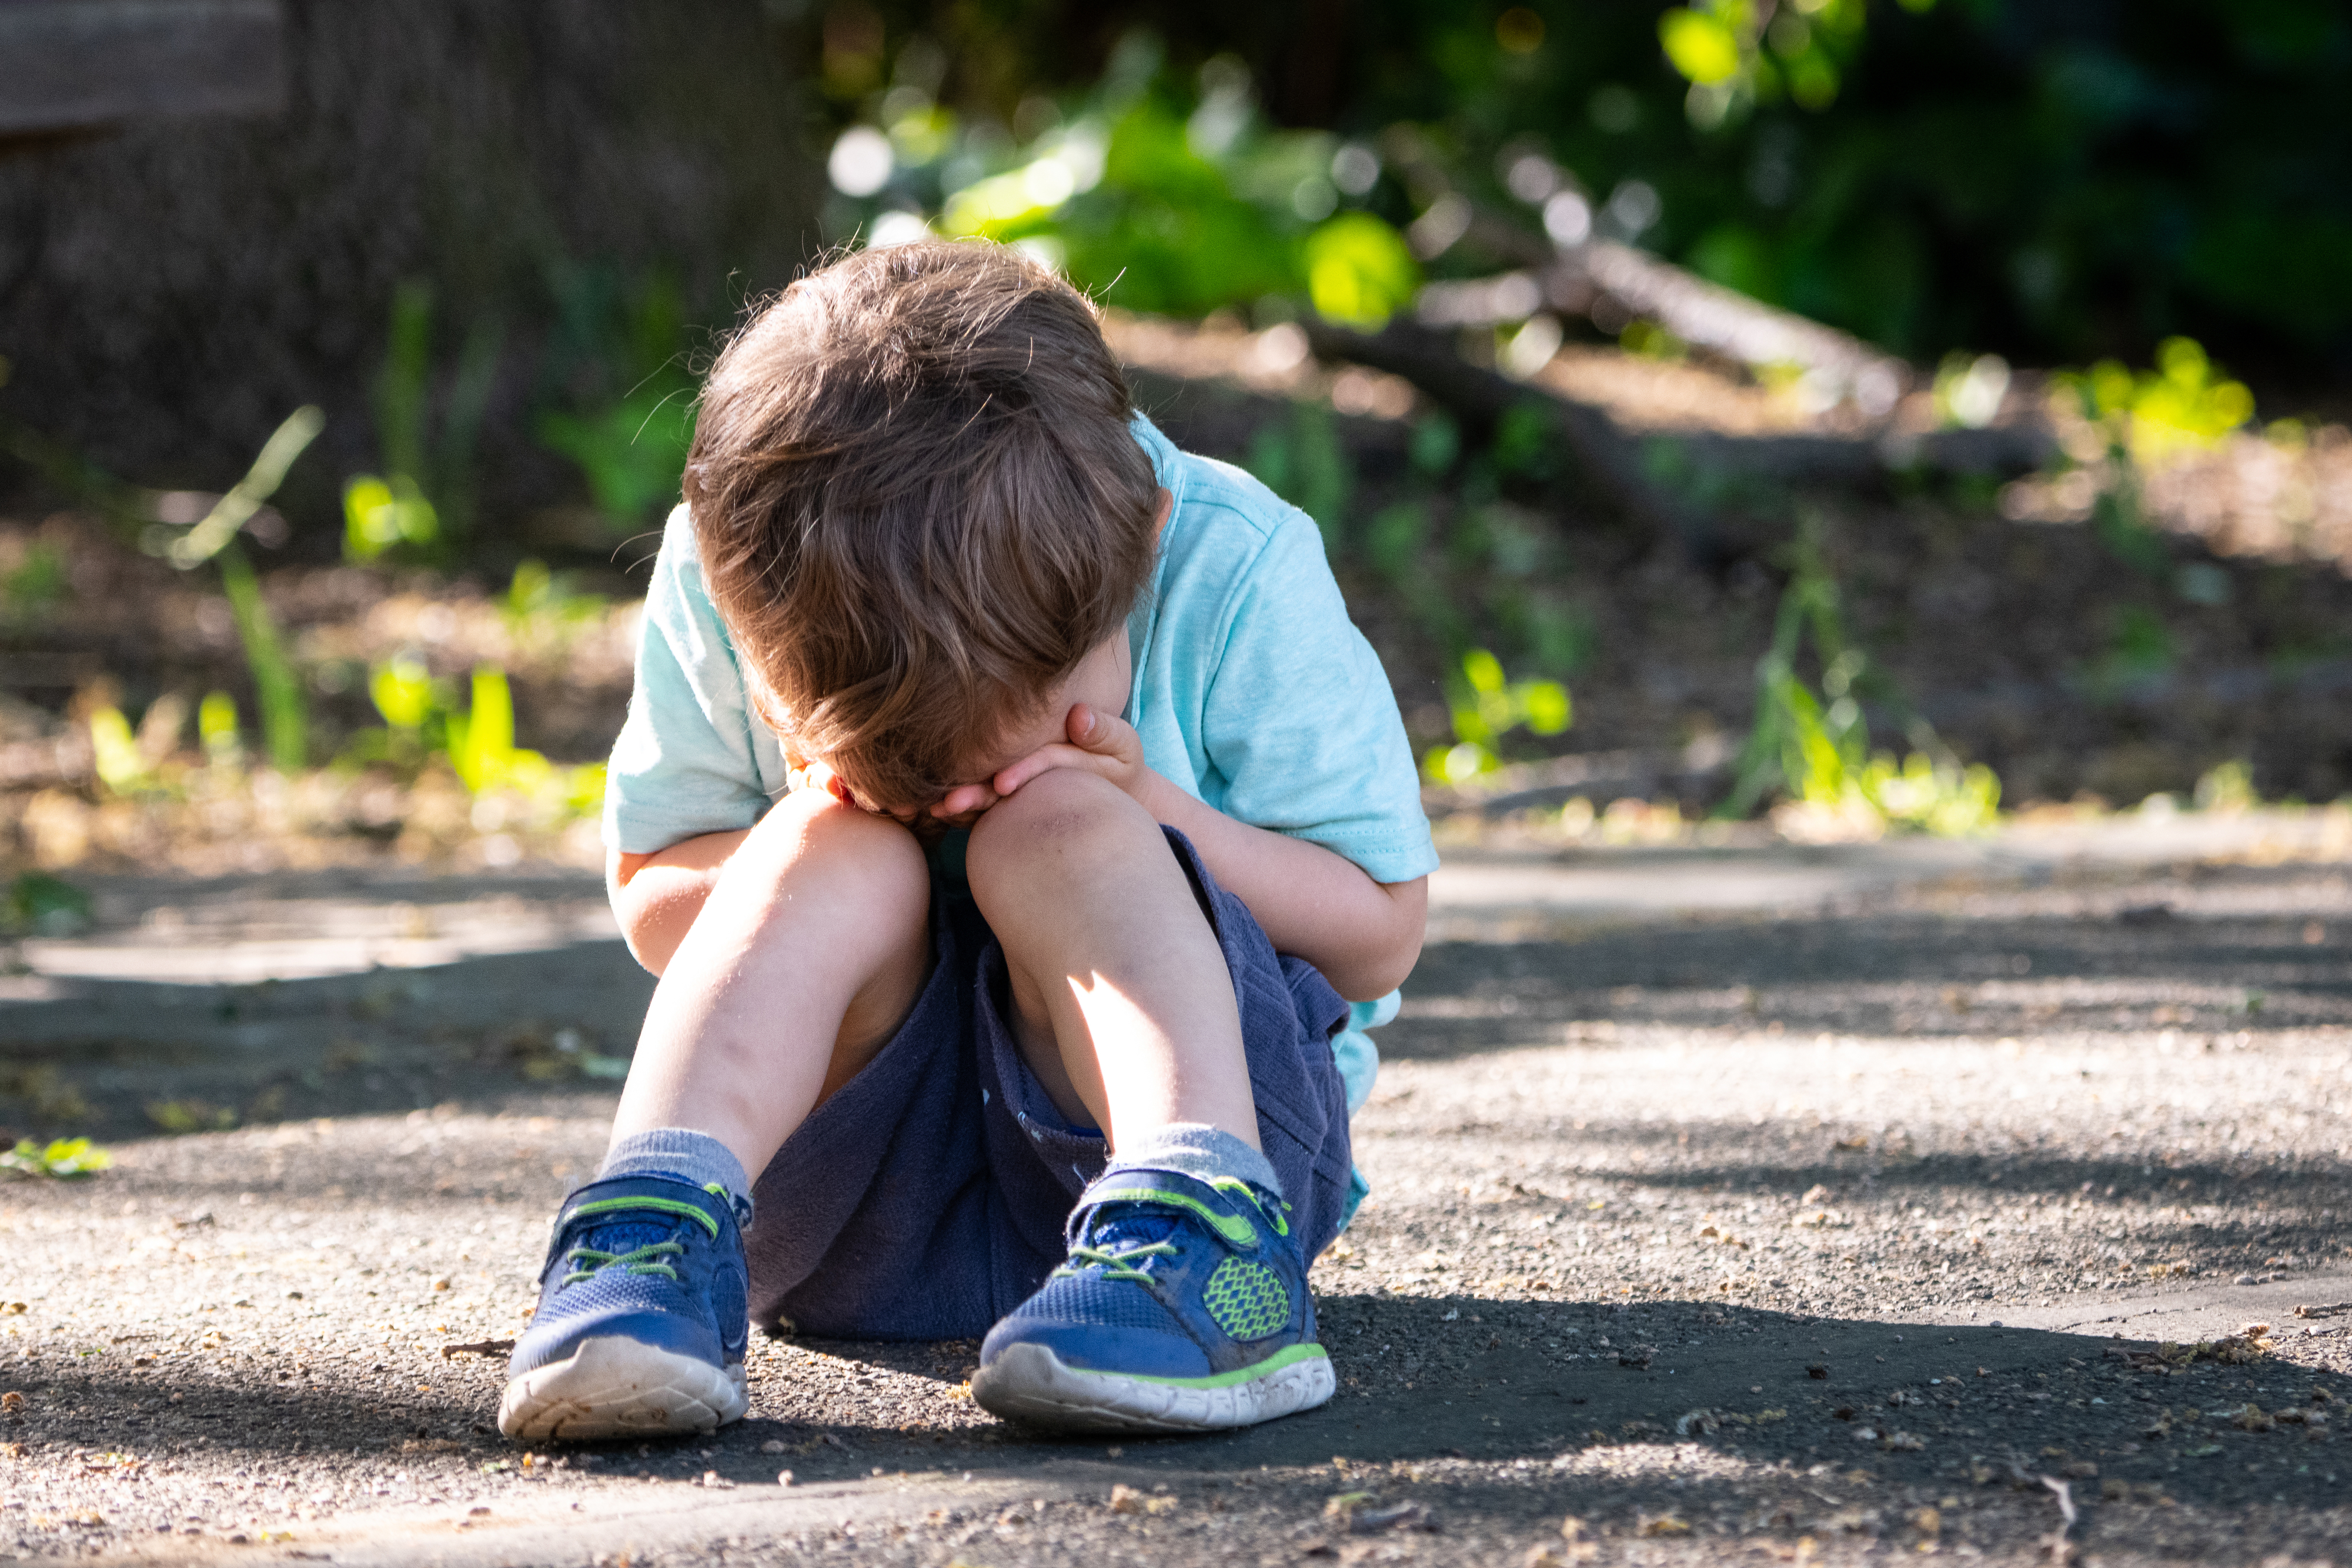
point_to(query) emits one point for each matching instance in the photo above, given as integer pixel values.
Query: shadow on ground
(1635, 1408)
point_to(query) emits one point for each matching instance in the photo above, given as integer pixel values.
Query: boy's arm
(1364, 936)
(656, 896)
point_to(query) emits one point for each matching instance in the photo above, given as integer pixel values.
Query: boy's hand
(1100, 742)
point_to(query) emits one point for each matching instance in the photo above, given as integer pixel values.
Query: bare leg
(800, 967)
(1122, 1002)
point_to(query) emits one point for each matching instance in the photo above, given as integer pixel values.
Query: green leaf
(1700, 46)
(1483, 671)
(1547, 705)
(482, 747)
(402, 689)
(216, 728)
(115, 751)
(1359, 271)
(284, 715)
(380, 514)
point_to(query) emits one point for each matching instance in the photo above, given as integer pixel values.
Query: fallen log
(1611, 284)
(1675, 481)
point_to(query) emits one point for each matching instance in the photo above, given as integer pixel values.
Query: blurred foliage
(1306, 464)
(61, 1159)
(34, 586)
(423, 505)
(38, 905)
(2183, 404)
(2053, 183)
(1813, 742)
(617, 396)
(425, 723)
(1485, 708)
(285, 712)
(1461, 544)
(1159, 193)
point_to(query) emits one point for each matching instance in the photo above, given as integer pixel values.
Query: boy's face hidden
(1102, 682)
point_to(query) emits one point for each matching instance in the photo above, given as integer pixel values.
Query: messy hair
(920, 504)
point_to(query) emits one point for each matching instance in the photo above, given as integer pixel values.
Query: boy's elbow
(1385, 963)
(650, 940)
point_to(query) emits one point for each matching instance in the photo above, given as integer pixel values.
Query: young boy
(1020, 1005)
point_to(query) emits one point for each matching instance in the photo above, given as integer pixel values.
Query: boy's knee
(808, 833)
(1061, 817)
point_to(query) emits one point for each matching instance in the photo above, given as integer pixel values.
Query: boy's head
(919, 506)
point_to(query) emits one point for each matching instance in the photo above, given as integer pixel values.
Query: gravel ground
(1773, 1237)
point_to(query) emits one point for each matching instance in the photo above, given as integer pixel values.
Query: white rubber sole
(621, 1388)
(1029, 1383)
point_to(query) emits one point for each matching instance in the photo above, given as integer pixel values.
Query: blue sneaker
(1183, 1308)
(642, 1318)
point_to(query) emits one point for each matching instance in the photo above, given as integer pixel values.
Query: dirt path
(1942, 1125)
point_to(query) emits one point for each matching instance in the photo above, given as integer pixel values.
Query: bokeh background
(1820, 418)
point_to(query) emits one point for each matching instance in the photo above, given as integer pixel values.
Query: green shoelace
(586, 1261)
(1116, 1262)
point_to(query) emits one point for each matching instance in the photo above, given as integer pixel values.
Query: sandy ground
(1877, 1206)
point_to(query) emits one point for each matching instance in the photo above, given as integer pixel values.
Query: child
(1102, 807)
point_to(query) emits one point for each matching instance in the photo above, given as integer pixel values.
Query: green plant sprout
(423, 722)
(61, 1159)
(402, 689)
(115, 754)
(380, 514)
(1486, 706)
(285, 715)
(1815, 746)
(2185, 405)
(425, 495)
(216, 728)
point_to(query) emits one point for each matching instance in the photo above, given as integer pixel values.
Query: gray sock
(1200, 1151)
(683, 1154)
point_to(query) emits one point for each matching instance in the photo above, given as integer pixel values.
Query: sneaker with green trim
(1182, 1308)
(642, 1320)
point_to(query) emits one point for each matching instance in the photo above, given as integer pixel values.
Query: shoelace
(1116, 1262)
(645, 1260)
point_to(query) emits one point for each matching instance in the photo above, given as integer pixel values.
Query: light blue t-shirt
(1254, 693)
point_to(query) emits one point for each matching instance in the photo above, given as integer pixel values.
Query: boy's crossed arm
(1363, 935)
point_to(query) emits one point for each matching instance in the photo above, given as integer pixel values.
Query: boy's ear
(1160, 514)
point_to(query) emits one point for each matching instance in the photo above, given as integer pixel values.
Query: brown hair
(920, 504)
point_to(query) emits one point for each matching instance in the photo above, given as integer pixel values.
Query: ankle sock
(683, 1154)
(1200, 1151)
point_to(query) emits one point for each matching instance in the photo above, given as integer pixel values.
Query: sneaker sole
(1029, 1383)
(616, 1388)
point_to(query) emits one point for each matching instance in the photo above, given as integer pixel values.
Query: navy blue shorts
(926, 1199)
